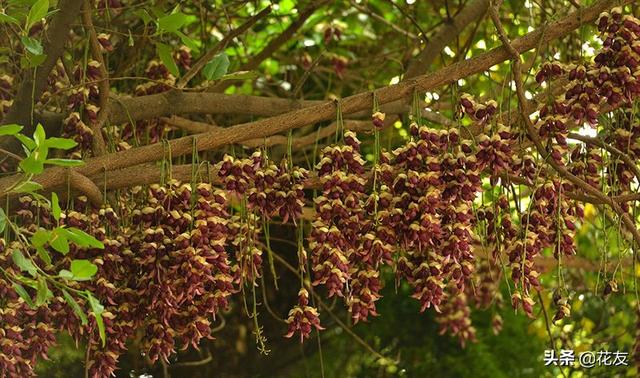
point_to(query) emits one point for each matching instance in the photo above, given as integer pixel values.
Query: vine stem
(9, 153)
(326, 308)
(548, 324)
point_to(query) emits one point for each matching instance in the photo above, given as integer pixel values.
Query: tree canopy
(321, 188)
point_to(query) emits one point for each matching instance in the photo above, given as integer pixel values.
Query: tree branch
(81, 183)
(194, 127)
(172, 103)
(103, 85)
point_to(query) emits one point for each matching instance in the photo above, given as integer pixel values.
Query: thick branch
(103, 85)
(85, 186)
(171, 103)
(194, 127)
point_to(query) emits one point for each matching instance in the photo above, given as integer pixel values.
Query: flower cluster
(610, 79)
(455, 317)
(26, 333)
(340, 215)
(303, 318)
(271, 190)
(429, 187)
(585, 164)
(347, 253)
(170, 260)
(6, 98)
(244, 232)
(478, 112)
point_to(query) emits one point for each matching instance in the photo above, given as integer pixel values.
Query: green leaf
(61, 143)
(59, 242)
(95, 304)
(3, 220)
(97, 309)
(11, 129)
(63, 273)
(39, 197)
(55, 206)
(32, 45)
(23, 294)
(65, 162)
(26, 141)
(175, 21)
(37, 12)
(144, 15)
(4, 18)
(40, 237)
(31, 164)
(165, 54)
(24, 263)
(42, 291)
(44, 255)
(240, 75)
(75, 306)
(39, 135)
(217, 67)
(27, 187)
(189, 42)
(31, 60)
(83, 270)
(27, 281)
(81, 238)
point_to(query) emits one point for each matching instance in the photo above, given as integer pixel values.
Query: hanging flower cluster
(25, 333)
(585, 164)
(486, 292)
(336, 230)
(455, 317)
(171, 261)
(244, 233)
(6, 98)
(430, 184)
(610, 80)
(185, 277)
(271, 190)
(303, 318)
